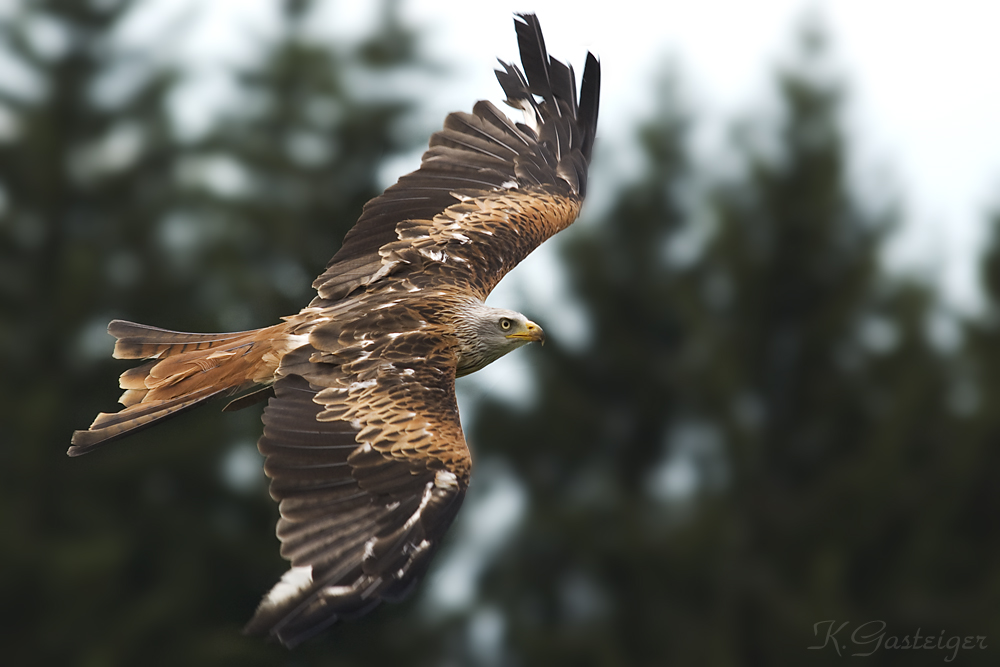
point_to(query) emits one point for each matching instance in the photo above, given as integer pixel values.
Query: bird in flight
(362, 438)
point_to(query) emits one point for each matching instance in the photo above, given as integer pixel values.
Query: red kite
(362, 437)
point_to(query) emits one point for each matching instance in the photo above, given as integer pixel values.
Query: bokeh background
(767, 406)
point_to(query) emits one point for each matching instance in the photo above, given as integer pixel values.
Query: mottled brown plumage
(362, 436)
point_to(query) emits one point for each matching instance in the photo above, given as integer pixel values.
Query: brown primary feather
(480, 156)
(363, 521)
(362, 438)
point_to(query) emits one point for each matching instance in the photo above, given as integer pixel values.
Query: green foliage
(832, 404)
(759, 436)
(156, 551)
(583, 582)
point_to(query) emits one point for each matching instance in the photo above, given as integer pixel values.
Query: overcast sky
(925, 94)
(924, 97)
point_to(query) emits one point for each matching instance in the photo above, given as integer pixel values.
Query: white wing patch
(445, 479)
(293, 583)
(433, 254)
(361, 386)
(428, 490)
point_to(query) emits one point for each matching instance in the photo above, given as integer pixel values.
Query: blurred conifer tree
(820, 377)
(761, 432)
(584, 579)
(158, 549)
(85, 166)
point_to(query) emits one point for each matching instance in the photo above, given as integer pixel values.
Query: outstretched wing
(363, 442)
(489, 190)
(367, 459)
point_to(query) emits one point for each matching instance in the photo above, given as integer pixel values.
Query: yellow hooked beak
(531, 333)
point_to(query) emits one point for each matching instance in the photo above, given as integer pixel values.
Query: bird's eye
(505, 323)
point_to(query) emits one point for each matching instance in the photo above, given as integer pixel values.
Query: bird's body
(362, 436)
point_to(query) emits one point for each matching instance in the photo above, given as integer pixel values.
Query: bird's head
(485, 334)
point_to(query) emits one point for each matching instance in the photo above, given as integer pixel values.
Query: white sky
(924, 101)
(924, 97)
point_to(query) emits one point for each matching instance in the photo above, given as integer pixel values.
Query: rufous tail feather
(184, 370)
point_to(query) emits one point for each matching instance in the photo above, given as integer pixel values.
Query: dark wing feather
(476, 161)
(363, 442)
(369, 465)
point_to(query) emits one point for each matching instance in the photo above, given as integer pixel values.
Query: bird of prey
(362, 439)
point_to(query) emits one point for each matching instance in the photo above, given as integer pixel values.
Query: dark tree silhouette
(158, 550)
(760, 434)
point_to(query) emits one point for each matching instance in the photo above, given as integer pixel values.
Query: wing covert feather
(369, 466)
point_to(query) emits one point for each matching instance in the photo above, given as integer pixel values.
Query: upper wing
(367, 459)
(488, 191)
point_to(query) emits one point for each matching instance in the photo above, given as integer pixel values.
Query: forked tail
(184, 369)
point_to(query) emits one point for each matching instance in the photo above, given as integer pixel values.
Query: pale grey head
(485, 334)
